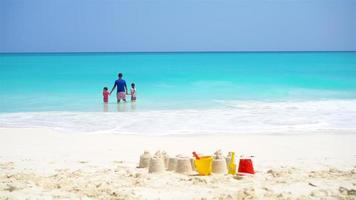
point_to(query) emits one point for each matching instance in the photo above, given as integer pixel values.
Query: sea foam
(236, 117)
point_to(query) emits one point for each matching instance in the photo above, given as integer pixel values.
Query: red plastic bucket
(246, 166)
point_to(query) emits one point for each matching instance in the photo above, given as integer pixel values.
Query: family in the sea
(121, 91)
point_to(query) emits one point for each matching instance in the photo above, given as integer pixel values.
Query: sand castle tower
(165, 158)
(184, 165)
(145, 159)
(219, 163)
(156, 164)
(172, 163)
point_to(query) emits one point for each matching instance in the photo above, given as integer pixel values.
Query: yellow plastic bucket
(204, 165)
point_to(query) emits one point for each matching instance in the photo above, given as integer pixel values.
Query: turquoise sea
(178, 92)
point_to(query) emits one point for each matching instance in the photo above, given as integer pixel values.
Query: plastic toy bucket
(204, 165)
(246, 166)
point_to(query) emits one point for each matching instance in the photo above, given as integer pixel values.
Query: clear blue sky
(177, 25)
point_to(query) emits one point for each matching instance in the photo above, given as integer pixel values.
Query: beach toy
(145, 159)
(232, 165)
(246, 166)
(228, 158)
(219, 163)
(184, 166)
(204, 165)
(192, 160)
(156, 165)
(172, 163)
(196, 155)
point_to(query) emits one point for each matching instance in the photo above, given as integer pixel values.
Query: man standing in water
(121, 88)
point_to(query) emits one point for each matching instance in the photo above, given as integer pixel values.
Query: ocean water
(182, 93)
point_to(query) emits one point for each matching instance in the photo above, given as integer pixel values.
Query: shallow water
(181, 93)
(73, 82)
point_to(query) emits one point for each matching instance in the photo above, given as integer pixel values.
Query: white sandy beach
(44, 164)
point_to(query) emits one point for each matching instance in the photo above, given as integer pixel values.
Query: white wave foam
(237, 117)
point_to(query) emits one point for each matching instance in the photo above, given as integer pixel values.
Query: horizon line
(148, 52)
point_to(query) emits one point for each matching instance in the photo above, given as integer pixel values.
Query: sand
(45, 164)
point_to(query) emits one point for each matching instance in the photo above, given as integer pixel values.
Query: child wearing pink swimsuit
(106, 94)
(133, 92)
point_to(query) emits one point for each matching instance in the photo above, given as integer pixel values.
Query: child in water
(133, 92)
(106, 94)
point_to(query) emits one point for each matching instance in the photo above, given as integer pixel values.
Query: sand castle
(160, 162)
(165, 158)
(172, 163)
(156, 165)
(219, 163)
(184, 165)
(145, 159)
